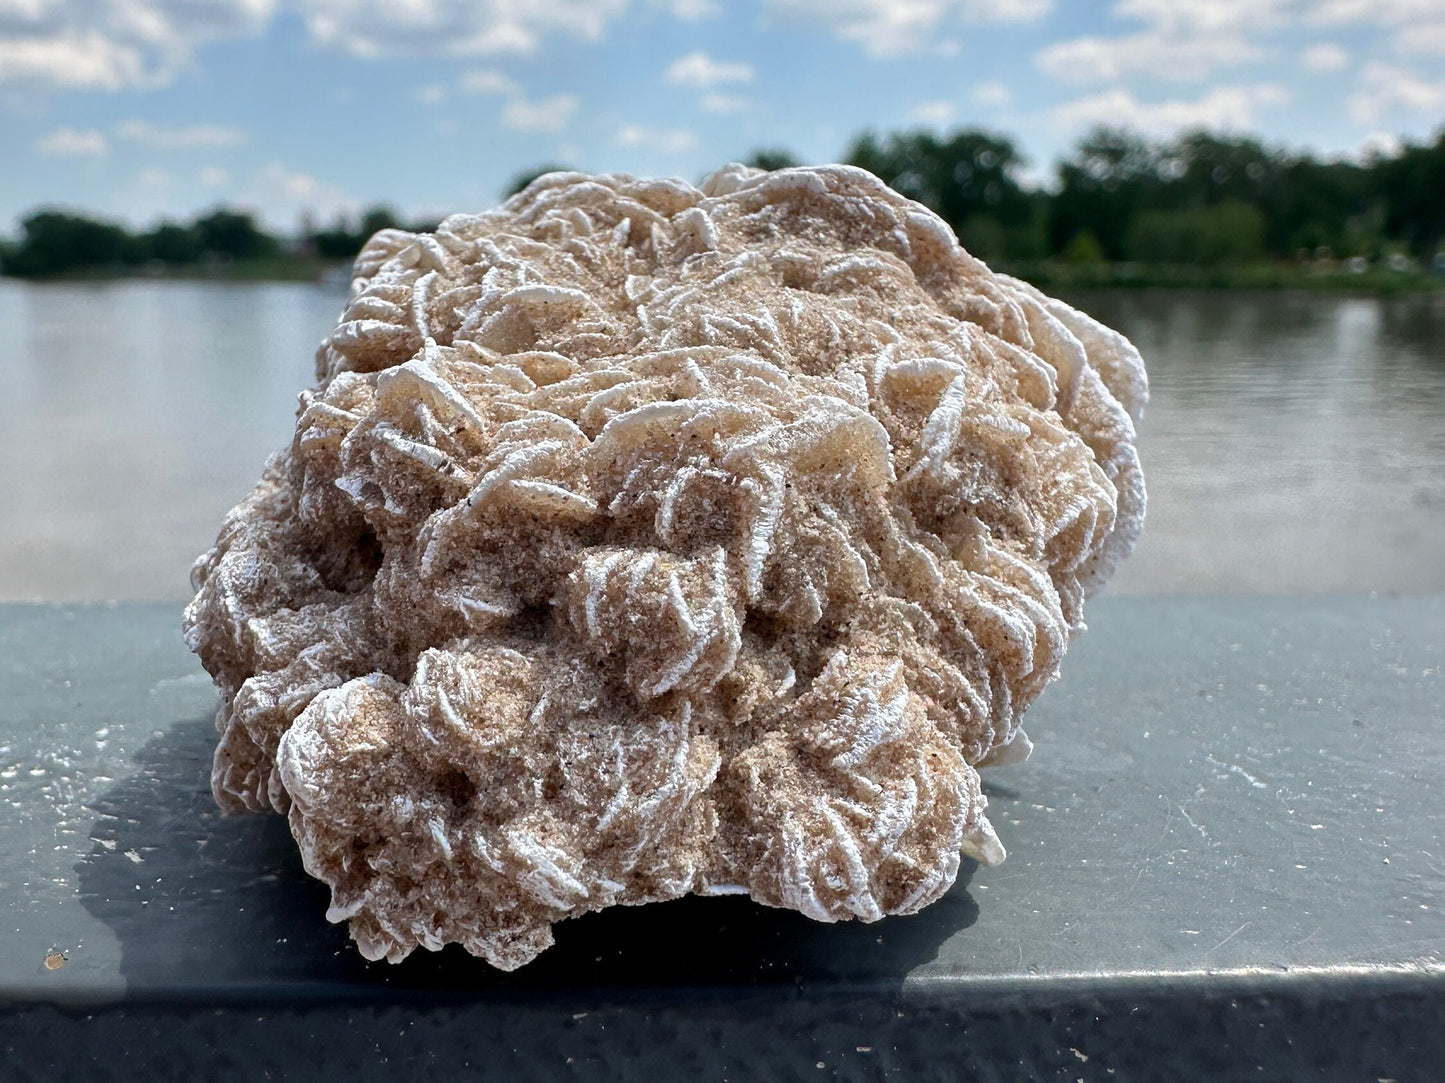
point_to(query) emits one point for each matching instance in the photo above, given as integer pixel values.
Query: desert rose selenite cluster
(640, 540)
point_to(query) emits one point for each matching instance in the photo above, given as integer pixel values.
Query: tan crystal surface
(639, 540)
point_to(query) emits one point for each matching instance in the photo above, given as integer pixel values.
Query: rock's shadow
(202, 900)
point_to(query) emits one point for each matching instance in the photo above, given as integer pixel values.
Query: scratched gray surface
(1231, 784)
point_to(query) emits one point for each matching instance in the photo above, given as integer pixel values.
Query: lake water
(1293, 443)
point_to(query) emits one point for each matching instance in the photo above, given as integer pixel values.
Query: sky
(146, 109)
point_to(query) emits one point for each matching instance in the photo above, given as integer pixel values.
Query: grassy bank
(265, 269)
(1051, 275)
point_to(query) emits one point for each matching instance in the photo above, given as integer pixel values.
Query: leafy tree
(338, 242)
(982, 236)
(54, 241)
(1084, 248)
(1413, 190)
(1364, 234)
(172, 243)
(1230, 232)
(234, 235)
(969, 177)
(771, 158)
(1312, 204)
(1204, 168)
(341, 241)
(1151, 200)
(376, 219)
(1111, 177)
(527, 176)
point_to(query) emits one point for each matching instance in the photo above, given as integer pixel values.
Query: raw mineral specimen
(639, 540)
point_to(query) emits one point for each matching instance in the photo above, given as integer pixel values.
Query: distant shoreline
(1054, 275)
(268, 269)
(1051, 275)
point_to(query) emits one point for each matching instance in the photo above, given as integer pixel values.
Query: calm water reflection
(1294, 443)
(134, 415)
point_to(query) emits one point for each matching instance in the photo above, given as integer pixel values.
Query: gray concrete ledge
(1225, 861)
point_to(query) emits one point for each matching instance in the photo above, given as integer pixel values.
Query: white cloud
(1238, 16)
(281, 196)
(675, 141)
(890, 28)
(689, 11)
(181, 138)
(1207, 16)
(933, 114)
(724, 103)
(1378, 144)
(70, 62)
(1157, 53)
(1421, 40)
(117, 44)
(518, 113)
(1415, 20)
(1223, 108)
(298, 186)
(1384, 89)
(476, 81)
(1035, 178)
(376, 28)
(153, 178)
(74, 143)
(114, 44)
(486, 81)
(1190, 40)
(992, 95)
(700, 70)
(1376, 12)
(213, 177)
(1325, 57)
(545, 115)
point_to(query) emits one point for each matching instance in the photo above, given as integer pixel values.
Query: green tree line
(55, 242)
(1203, 199)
